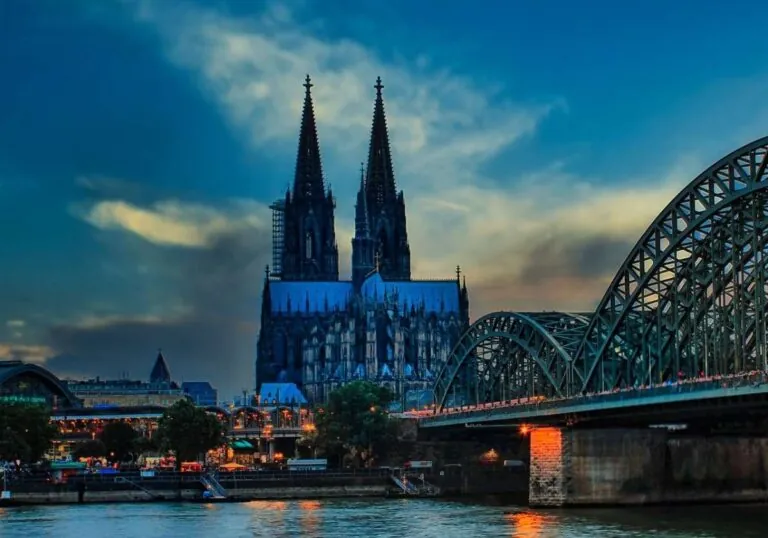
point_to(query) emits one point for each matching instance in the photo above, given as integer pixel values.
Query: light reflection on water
(374, 519)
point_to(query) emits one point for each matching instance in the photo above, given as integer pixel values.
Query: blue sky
(140, 143)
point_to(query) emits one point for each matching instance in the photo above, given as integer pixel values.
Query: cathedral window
(308, 246)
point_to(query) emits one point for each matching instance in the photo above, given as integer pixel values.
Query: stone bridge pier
(581, 467)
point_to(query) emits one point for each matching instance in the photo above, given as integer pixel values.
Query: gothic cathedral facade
(320, 332)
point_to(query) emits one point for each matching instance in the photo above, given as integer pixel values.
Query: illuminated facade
(320, 332)
(30, 383)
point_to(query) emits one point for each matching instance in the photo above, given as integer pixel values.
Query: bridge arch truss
(690, 299)
(511, 355)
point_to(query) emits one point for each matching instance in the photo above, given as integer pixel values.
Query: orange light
(491, 456)
(525, 429)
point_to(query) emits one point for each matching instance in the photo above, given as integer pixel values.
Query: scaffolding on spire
(278, 236)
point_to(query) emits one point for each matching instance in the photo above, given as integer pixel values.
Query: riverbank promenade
(171, 486)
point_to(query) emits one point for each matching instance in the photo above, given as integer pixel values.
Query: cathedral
(320, 332)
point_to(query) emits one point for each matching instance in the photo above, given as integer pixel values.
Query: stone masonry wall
(573, 467)
(549, 467)
(616, 466)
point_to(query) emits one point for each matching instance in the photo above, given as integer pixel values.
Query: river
(411, 518)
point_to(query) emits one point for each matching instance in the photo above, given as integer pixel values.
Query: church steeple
(160, 373)
(381, 177)
(363, 246)
(310, 251)
(308, 181)
(386, 206)
(464, 304)
(266, 297)
(362, 227)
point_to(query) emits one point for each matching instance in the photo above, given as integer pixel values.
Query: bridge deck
(626, 402)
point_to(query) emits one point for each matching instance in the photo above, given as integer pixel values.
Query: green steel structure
(688, 301)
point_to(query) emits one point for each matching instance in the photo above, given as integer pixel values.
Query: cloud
(545, 239)
(201, 268)
(25, 352)
(175, 223)
(104, 187)
(526, 234)
(15, 323)
(512, 235)
(254, 68)
(196, 349)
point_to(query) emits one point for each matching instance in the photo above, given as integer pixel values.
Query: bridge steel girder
(687, 327)
(512, 355)
(693, 280)
(691, 297)
(714, 303)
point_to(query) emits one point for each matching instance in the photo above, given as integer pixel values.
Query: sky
(142, 142)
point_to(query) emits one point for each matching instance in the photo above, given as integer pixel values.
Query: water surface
(417, 518)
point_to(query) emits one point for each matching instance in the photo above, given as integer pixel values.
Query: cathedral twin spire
(381, 178)
(308, 181)
(310, 251)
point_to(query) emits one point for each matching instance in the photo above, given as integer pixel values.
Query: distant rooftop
(121, 386)
(160, 371)
(281, 393)
(200, 385)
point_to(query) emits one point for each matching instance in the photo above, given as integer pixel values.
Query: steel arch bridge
(690, 298)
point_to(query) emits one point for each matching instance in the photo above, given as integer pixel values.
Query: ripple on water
(372, 518)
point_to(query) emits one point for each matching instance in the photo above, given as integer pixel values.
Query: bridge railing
(678, 387)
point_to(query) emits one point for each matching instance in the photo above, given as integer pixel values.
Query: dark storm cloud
(561, 272)
(215, 338)
(564, 255)
(218, 351)
(225, 280)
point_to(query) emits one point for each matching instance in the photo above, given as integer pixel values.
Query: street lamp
(232, 420)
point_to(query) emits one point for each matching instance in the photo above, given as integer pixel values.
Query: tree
(355, 424)
(308, 442)
(119, 439)
(26, 432)
(188, 431)
(144, 445)
(90, 449)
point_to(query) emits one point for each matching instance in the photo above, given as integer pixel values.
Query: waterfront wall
(571, 467)
(463, 446)
(457, 457)
(481, 480)
(68, 496)
(245, 487)
(458, 470)
(243, 494)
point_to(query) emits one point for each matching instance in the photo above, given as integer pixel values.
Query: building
(281, 394)
(318, 331)
(29, 383)
(159, 391)
(201, 392)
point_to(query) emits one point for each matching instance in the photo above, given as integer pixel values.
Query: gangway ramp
(211, 484)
